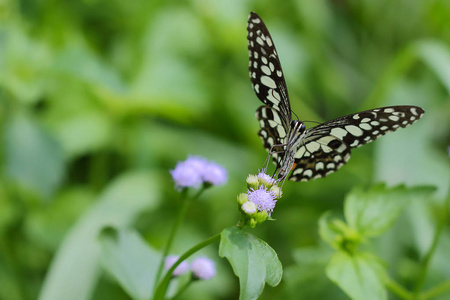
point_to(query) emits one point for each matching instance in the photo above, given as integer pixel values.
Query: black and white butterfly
(320, 150)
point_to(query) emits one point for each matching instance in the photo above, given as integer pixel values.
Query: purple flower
(180, 270)
(203, 268)
(214, 174)
(196, 170)
(186, 175)
(196, 162)
(264, 199)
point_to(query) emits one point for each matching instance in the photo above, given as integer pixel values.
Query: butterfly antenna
(312, 122)
(304, 121)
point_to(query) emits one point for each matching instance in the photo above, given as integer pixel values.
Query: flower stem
(426, 261)
(397, 289)
(180, 218)
(178, 221)
(162, 286)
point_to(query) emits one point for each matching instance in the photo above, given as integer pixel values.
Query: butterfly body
(294, 140)
(320, 150)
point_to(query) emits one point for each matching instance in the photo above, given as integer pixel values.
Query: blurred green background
(99, 100)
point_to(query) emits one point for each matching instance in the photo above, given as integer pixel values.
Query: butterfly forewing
(265, 69)
(327, 146)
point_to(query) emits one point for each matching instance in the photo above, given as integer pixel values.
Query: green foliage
(129, 259)
(360, 275)
(253, 261)
(368, 214)
(372, 212)
(79, 253)
(21, 135)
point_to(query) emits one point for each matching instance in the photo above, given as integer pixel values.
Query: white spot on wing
(267, 81)
(319, 166)
(354, 130)
(337, 158)
(265, 70)
(297, 171)
(308, 173)
(326, 149)
(312, 146)
(365, 126)
(272, 67)
(354, 144)
(389, 110)
(394, 118)
(338, 132)
(300, 152)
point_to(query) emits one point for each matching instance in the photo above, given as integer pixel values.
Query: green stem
(180, 218)
(162, 286)
(397, 289)
(178, 221)
(426, 261)
(436, 291)
(183, 288)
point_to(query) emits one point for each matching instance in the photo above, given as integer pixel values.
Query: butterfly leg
(272, 152)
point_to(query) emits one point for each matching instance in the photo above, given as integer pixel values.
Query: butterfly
(323, 149)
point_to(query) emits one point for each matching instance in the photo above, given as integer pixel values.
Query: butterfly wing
(269, 85)
(327, 147)
(272, 132)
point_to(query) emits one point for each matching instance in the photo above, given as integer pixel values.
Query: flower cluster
(258, 203)
(202, 267)
(195, 171)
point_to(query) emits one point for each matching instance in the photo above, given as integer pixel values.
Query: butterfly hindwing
(319, 158)
(272, 132)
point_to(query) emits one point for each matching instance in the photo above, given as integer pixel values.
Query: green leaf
(306, 278)
(437, 56)
(253, 261)
(75, 269)
(130, 260)
(372, 212)
(338, 234)
(32, 156)
(361, 276)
